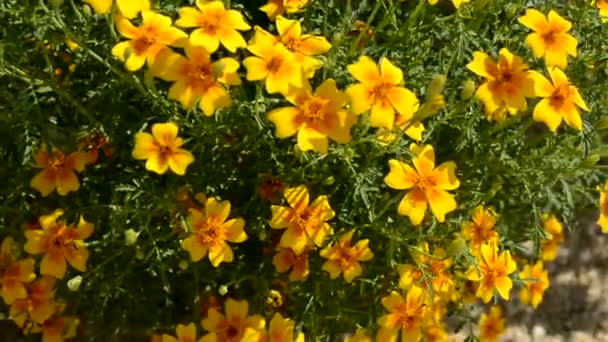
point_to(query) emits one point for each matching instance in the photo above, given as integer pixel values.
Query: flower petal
(534, 20)
(233, 230)
(544, 112)
(286, 120)
(401, 176)
(365, 71)
(413, 205)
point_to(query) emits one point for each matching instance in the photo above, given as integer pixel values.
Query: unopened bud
(223, 290)
(74, 283)
(131, 237)
(468, 89)
(436, 86)
(601, 125)
(457, 247)
(590, 161)
(183, 265)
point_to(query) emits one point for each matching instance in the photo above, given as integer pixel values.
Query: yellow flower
(275, 8)
(458, 3)
(550, 37)
(281, 330)
(58, 327)
(492, 272)
(185, 333)
(59, 171)
(380, 90)
(536, 280)
(359, 336)
(303, 46)
(210, 231)
(235, 325)
(344, 258)
(432, 268)
(127, 8)
(305, 221)
(406, 315)
(14, 274)
(287, 259)
(314, 117)
(480, 229)
(491, 325)
(147, 41)
(508, 82)
(560, 99)
(602, 5)
(274, 64)
(435, 333)
(602, 221)
(427, 184)
(38, 305)
(197, 78)
(548, 247)
(215, 24)
(161, 149)
(59, 242)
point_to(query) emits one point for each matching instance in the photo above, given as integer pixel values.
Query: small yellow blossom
(59, 171)
(536, 280)
(214, 25)
(305, 222)
(197, 78)
(162, 149)
(406, 315)
(281, 330)
(508, 82)
(127, 8)
(491, 325)
(432, 268)
(210, 231)
(380, 90)
(428, 184)
(602, 5)
(275, 8)
(344, 258)
(550, 37)
(549, 247)
(480, 229)
(233, 326)
(560, 99)
(492, 272)
(274, 64)
(359, 336)
(14, 274)
(185, 333)
(59, 242)
(58, 327)
(602, 221)
(315, 117)
(38, 305)
(147, 41)
(287, 259)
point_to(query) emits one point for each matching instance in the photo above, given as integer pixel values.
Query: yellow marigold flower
(14, 274)
(602, 221)
(602, 5)
(548, 247)
(38, 305)
(215, 24)
(435, 333)
(303, 46)
(406, 315)
(458, 3)
(58, 327)
(359, 336)
(287, 259)
(235, 325)
(147, 41)
(480, 229)
(432, 268)
(274, 64)
(380, 90)
(428, 184)
(492, 272)
(560, 99)
(305, 221)
(59, 171)
(508, 82)
(536, 280)
(198, 79)
(281, 330)
(161, 149)
(185, 333)
(315, 117)
(127, 8)
(344, 258)
(210, 231)
(550, 37)
(59, 242)
(275, 8)
(491, 325)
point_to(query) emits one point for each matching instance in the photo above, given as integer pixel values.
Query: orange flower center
(492, 273)
(314, 109)
(141, 44)
(274, 64)
(57, 162)
(381, 91)
(346, 256)
(560, 95)
(491, 329)
(406, 318)
(209, 233)
(425, 183)
(549, 37)
(504, 74)
(291, 43)
(210, 22)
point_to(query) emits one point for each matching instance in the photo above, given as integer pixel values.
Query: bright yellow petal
(557, 23)
(544, 112)
(401, 176)
(179, 160)
(53, 264)
(200, 37)
(365, 71)
(100, 6)
(542, 86)
(220, 253)
(382, 115)
(441, 203)
(130, 8)
(297, 198)
(390, 74)
(360, 97)
(256, 68)
(311, 139)
(313, 45)
(414, 206)
(534, 20)
(214, 98)
(233, 230)
(44, 182)
(231, 39)
(285, 120)
(483, 65)
(77, 257)
(164, 133)
(556, 56)
(280, 217)
(445, 176)
(404, 101)
(194, 247)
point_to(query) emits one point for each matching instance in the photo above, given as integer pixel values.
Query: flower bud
(131, 237)
(74, 283)
(590, 161)
(468, 89)
(601, 125)
(436, 86)
(457, 247)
